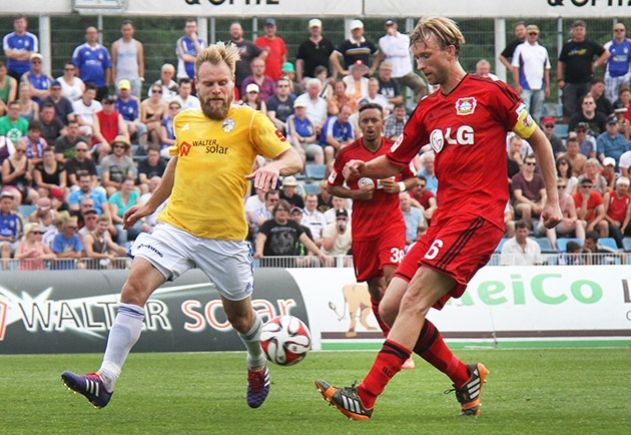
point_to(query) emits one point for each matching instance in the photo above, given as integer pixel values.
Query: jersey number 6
(432, 252)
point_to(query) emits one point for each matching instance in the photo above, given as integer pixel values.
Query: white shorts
(226, 263)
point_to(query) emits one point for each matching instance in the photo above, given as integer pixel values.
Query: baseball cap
(252, 87)
(315, 23)
(121, 139)
(548, 120)
(389, 22)
(270, 22)
(288, 67)
(108, 99)
(612, 119)
(55, 84)
(341, 212)
(583, 125)
(124, 84)
(356, 24)
(609, 161)
(532, 28)
(90, 211)
(290, 181)
(299, 103)
(36, 56)
(619, 107)
(622, 180)
(6, 194)
(296, 209)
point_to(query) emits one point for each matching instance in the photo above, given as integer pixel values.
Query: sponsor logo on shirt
(185, 148)
(463, 135)
(228, 125)
(466, 106)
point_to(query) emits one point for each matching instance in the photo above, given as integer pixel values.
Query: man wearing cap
(18, 47)
(128, 58)
(266, 85)
(248, 51)
(274, 50)
(336, 237)
(611, 143)
(93, 62)
(531, 72)
(313, 52)
(63, 110)
(394, 48)
(289, 192)
(187, 48)
(129, 107)
(118, 166)
(575, 68)
(38, 80)
(547, 124)
(618, 71)
(353, 49)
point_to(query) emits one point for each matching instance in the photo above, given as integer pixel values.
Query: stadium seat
(560, 130)
(26, 209)
(545, 244)
(315, 172)
(608, 242)
(626, 242)
(499, 247)
(311, 189)
(562, 243)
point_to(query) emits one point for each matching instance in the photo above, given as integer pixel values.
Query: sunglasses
(618, 30)
(36, 61)
(20, 151)
(68, 69)
(174, 107)
(531, 164)
(37, 232)
(549, 125)
(533, 33)
(589, 186)
(118, 146)
(81, 150)
(157, 91)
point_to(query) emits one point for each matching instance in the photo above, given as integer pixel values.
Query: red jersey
(467, 131)
(618, 207)
(383, 210)
(274, 59)
(108, 125)
(595, 199)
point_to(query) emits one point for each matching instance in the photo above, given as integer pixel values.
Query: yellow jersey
(214, 157)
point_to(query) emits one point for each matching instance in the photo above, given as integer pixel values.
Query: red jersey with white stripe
(370, 217)
(467, 131)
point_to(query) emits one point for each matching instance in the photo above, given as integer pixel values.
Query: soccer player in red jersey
(378, 231)
(465, 121)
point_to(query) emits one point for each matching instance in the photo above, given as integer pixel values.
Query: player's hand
(353, 169)
(551, 214)
(389, 185)
(258, 255)
(134, 214)
(265, 177)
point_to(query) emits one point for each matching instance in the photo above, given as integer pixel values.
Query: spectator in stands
(393, 125)
(339, 98)
(590, 208)
(295, 88)
(18, 47)
(388, 86)
(618, 70)
(100, 246)
(357, 47)
(31, 250)
(34, 142)
(62, 105)
(575, 67)
(166, 83)
(301, 134)
(152, 110)
(296, 215)
(586, 140)
(529, 191)
(611, 143)
(483, 69)
(120, 202)
(413, 217)
(548, 129)
(184, 97)
(264, 213)
(17, 176)
(394, 49)
(531, 72)
(617, 209)
(128, 59)
(49, 174)
(167, 133)
(428, 159)
(592, 171)
(72, 87)
(253, 203)
(266, 84)
(88, 190)
(29, 109)
(8, 88)
(506, 57)
(118, 166)
(597, 90)
(573, 255)
(66, 143)
(336, 236)
(337, 204)
(290, 193)
(110, 124)
(149, 223)
(12, 125)
(570, 225)
(564, 172)
(252, 97)
(609, 173)
(521, 250)
(624, 99)
(325, 199)
(152, 166)
(274, 51)
(38, 80)
(316, 107)
(67, 245)
(187, 48)
(595, 253)
(85, 110)
(314, 219)
(337, 132)
(425, 198)
(93, 62)
(10, 227)
(90, 219)
(281, 105)
(129, 108)
(374, 97)
(576, 159)
(356, 82)
(43, 214)
(248, 51)
(588, 114)
(313, 52)
(518, 149)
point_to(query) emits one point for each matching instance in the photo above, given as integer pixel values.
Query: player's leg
(248, 325)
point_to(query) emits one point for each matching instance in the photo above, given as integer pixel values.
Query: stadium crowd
(77, 151)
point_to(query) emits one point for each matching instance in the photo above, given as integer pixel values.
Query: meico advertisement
(60, 312)
(504, 306)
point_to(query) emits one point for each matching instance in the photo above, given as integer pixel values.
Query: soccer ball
(285, 340)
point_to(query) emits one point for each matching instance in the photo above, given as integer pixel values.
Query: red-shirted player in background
(465, 121)
(378, 230)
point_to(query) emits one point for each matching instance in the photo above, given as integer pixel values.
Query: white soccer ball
(365, 181)
(285, 340)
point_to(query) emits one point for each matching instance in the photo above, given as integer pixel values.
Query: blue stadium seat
(499, 247)
(560, 130)
(608, 242)
(311, 189)
(545, 244)
(626, 242)
(315, 172)
(562, 243)
(26, 210)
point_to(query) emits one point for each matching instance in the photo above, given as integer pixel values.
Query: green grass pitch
(554, 391)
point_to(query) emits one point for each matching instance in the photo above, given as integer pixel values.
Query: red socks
(432, 348)
(375, 310)
(388, 363)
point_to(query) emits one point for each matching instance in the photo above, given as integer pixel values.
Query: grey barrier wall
(57, 312)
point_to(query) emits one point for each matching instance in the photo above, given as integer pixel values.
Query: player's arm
(260, 244)
(311, 246)
(380, 167)
(396, 187)
(364, 193)
(158, 197)
(287, 163)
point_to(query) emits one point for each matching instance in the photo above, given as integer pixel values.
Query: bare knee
(135, 291)
(388, 312)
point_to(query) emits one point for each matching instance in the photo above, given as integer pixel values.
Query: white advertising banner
(500, 8)
(502, 306)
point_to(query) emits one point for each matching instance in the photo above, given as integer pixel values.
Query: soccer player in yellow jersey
(203, 223)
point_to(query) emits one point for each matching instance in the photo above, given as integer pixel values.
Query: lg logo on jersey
(462, 136)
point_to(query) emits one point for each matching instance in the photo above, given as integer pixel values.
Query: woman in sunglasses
(152, 110)
(31, 250)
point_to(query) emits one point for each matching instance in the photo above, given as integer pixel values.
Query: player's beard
(216, 108)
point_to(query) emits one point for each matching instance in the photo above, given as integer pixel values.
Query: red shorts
(371, 256)
(457, 247)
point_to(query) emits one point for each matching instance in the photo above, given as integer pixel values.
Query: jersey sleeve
(410, 142)
(335, 177)
(267, 140)
(512, 112)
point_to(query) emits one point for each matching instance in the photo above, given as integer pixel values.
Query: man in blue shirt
(611, 143)
(129, 108)
(619, 63)
(93, 62)
(187, 48)
(67, 245)
(40, 81)
(18, 47)
(10, 227)
(337, 132)
(85, 189)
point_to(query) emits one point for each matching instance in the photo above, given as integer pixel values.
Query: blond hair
(218, 53)
(445, 30)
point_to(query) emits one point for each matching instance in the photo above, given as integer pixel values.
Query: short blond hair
(218, 53)
(445, 30)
